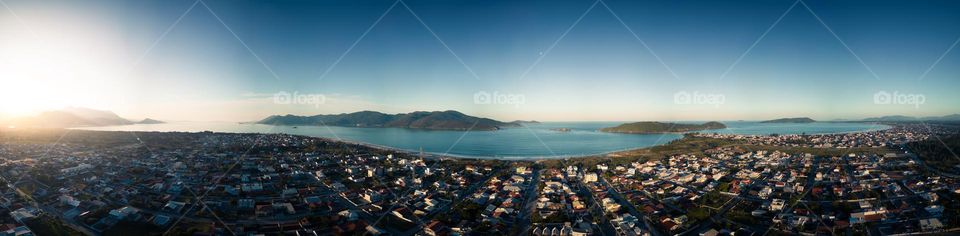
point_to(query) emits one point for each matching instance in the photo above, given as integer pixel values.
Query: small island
(652, 127)
(561, 129)
(791, 120)
(150, 121)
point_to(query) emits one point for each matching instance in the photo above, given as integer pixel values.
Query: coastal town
(901, 133)
(74, 182)
(479, 118)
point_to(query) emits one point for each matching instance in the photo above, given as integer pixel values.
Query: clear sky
(567, 60)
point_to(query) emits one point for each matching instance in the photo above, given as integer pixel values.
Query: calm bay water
(530, 142)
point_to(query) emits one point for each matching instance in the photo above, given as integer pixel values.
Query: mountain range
(434, 120)
(73, 117)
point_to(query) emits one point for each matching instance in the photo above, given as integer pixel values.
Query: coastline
(426, 155)
(438, 155)
(607, 154)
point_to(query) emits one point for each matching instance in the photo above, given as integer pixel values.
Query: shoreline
(437, 155)
(427, 155)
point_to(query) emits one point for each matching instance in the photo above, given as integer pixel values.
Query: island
(432, 120)
(653, 127)
(790, 120)
(561, 129)
(149, 121)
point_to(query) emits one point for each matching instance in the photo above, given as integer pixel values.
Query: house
(932, 224)
(371, 196)
(711, 232)
(517, 179)
(69, 201)
(765, 192)
(590, 178)
(76, 169)
(161, 220)
(312, 200)
(436, 228)
(22, 214)
(18, 231)
(284, 207)
(523, 170)
(669, 224)
(610, 205)
(123, 212)
(349, 214)
(246, 203)
(404, 214)
(935, 210)
(371, 230)
(174, 206)
(777, 205)
(867, 216)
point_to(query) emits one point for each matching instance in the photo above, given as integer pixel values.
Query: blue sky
(593, 68)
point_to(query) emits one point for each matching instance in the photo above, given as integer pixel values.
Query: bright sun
(50, 66)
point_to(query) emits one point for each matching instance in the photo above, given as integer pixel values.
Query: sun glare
(42, 68)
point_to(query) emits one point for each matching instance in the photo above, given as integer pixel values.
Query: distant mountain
(525, 122)
(72, 117)
(150, 121)
(790, 120)
(650, 127)
(437, 120)
(953, 117)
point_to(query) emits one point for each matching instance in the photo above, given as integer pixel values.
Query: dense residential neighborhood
(72, 182)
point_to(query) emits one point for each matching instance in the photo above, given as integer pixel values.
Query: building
(590, 178)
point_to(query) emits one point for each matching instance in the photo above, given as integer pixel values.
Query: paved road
(630, 207)
(606, 228)
(523, 218)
